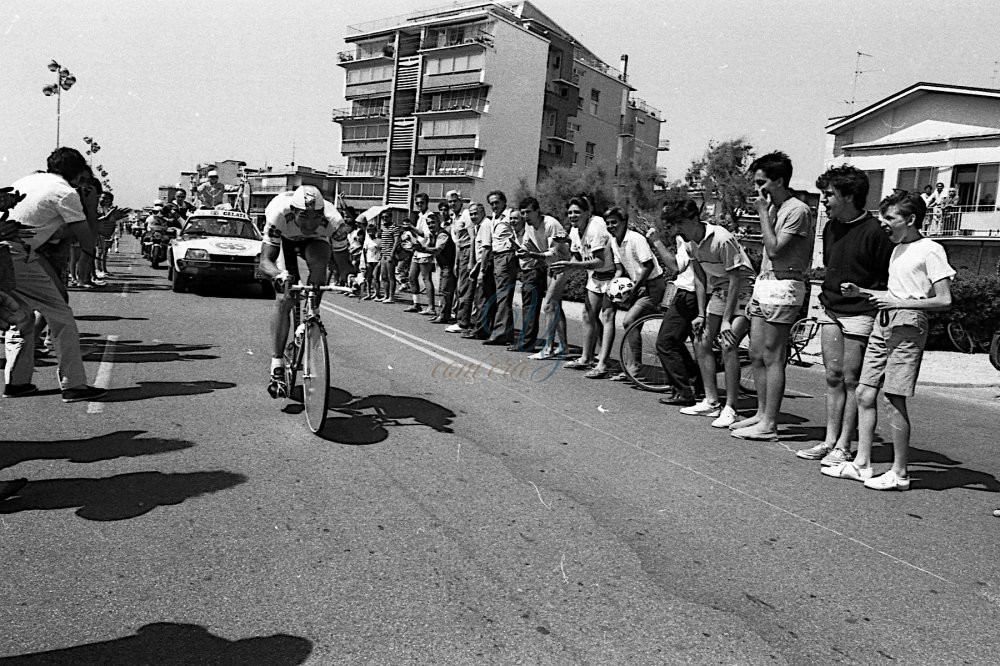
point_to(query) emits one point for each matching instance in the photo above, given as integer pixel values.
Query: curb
(818, 361)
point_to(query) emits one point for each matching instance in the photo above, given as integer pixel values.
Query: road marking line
(399, 335)
(103, 379)
(347, 314)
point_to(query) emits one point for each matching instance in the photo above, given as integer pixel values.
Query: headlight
(196, 255)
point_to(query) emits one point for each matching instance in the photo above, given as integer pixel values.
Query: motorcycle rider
(164, 219)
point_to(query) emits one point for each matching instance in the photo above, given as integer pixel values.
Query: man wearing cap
(297, 224)
(212, 193)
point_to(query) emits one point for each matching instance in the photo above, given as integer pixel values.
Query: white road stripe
(103, 379)
(400, 336)
(390, 333)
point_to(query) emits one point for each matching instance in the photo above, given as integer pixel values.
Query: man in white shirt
(462, 233)
(212, 193)
(51, 204)
(533, 240)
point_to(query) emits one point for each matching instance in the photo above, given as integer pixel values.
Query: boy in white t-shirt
(919, 281)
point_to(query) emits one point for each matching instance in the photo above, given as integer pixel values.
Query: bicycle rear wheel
(638, 355)
(315, 375)
(960, 338)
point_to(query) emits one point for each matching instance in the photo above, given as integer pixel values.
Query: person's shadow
(366, 419)
(147, 390)
(118, 497)
(121, 444)
(173, 644)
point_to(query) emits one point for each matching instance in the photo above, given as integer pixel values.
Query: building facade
(475, 97)
(926, 134)
(267, 183)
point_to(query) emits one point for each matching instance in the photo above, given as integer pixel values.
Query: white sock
(277, 363)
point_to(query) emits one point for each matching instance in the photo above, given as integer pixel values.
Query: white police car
(216, 245)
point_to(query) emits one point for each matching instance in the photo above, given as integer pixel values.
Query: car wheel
(179, 282)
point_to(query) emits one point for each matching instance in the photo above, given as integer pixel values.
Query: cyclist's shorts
(291, 250)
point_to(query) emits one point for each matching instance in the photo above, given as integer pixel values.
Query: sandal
(595, 373)
(620, 377)
(579, 364)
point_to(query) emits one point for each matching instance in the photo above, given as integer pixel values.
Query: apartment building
(268, 182)
(478, 96)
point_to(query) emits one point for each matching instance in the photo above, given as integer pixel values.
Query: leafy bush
(576, 287)
(975, 302)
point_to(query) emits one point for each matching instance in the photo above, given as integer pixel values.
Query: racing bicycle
(307, 353)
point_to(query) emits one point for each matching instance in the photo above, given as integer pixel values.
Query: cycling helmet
(306, 197)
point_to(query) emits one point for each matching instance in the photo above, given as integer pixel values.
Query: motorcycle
(155, 246)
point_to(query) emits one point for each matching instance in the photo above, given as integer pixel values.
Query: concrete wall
(979, 255)
(602, 129)
(508, 134)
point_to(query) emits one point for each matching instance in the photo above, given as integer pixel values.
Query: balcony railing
(664, 144)
(353, 55)
(478, 37)
(473, 169)
(478, 105)
(627, 129)
(601, 66)
(340, 115)
(641, 105)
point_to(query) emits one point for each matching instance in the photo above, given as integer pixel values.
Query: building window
(579, 103)
(589, 153)
(365, 166)
(557, 60)
(366, 132)
(458, 63)
(370, 190)
(595, 97)
(369, 74)
(450, 127)
(550, 119)
(576, 157)
(976, 185)
(914, 180)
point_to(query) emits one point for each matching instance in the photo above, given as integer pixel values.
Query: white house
(926, 134)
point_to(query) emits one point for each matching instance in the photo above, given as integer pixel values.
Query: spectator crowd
(461, 262)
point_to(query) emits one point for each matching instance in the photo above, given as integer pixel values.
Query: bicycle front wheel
(315, 375)
(960, 338)
(638, 355)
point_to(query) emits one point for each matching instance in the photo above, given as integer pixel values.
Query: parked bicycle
(307, 353)
(967, 339)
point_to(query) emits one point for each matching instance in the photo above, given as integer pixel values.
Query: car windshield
(222, 226)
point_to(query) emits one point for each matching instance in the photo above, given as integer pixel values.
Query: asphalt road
(498, 518)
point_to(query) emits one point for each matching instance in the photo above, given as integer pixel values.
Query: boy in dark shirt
(856, 250)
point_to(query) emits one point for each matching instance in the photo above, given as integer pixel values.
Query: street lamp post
(64, 81)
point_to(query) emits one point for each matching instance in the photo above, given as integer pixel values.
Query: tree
(635, 194)
(722, 174)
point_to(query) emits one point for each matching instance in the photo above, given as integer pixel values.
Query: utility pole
(996, 70)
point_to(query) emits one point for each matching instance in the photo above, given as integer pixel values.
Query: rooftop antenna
(857, 72)
(293, 152)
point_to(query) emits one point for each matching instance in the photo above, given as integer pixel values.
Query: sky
(162, 86)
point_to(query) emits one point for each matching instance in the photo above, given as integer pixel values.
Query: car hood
(242, 247)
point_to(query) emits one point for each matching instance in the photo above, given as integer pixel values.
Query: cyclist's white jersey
(279, 222)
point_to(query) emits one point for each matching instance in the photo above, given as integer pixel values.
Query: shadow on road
(148, 390)
(367, 418)
(119, 497)
(121, 444)
(171, 644)
(109, 318)
(131, 351)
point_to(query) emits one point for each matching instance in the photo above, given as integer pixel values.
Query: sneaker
(429, 313)
(847, 470)
(703, 408)
(83, 393)
(454, 328)
(888, 481)
(836, 457)
(278, 387)
(726, 418)
(19, 390)
(817, 452)
(369, 297)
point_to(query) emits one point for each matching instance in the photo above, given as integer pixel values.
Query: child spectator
(388, 245)
(855, 249)
(919, 281)
(724, 283)
(371, 255)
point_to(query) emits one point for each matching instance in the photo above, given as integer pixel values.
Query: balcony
(627, 129)
(466, 169)
(641, 105)
(566, 135)
(468, 78)
(574, 80)
(386, 52)
(368, 145)
(663, 145)
(447, 106)
(340, 115)
(585, 58)
(441, 41)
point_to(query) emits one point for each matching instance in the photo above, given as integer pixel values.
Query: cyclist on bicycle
(297, 224)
